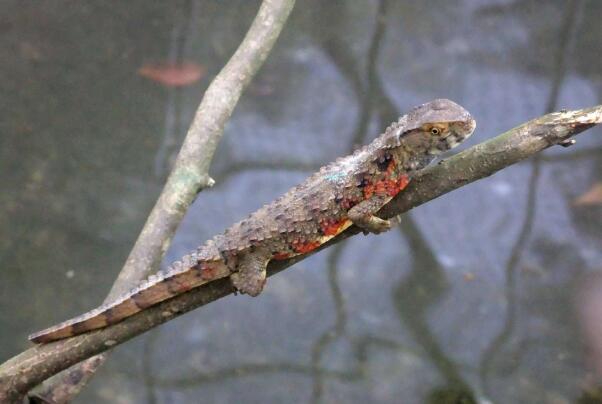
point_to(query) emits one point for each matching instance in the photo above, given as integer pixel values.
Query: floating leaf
(591, 197)
(173, 74)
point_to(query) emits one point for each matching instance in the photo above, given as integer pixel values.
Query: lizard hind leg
(250, 275)
(362, 215)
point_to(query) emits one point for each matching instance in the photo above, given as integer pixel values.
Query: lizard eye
(435, 131)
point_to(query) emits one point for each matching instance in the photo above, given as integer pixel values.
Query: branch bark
(189, 176)
(30, 367)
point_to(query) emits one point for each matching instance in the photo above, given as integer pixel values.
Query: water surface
(477, 302)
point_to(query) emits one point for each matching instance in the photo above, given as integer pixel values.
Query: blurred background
(499, 301)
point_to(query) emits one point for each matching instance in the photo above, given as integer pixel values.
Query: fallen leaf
(591, 197)
(173, 74)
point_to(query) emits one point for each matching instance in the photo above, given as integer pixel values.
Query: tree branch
(189, 176)
(29, 368)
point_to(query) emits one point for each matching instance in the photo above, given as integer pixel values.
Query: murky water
(474, 297)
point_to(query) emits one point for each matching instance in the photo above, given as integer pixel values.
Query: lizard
(351, 190)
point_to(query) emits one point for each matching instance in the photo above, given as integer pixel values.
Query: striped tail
(178, 279)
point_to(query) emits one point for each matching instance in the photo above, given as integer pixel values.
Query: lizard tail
(157, 288)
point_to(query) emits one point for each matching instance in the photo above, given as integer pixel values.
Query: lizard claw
(379, 226)
(396, 220)
(567, 142)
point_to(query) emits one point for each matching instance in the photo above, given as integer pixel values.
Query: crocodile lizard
(351, 190)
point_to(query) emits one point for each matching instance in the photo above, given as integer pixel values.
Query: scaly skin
(349, 191)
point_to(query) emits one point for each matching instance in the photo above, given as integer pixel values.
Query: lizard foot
(375, 225)
(250, 275)
(362, 215)
(250, 285)
(380, 225)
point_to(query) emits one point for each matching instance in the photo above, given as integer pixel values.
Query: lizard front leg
(250, 275)
(362, 215)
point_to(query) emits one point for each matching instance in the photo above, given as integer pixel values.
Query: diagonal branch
(480, 161)
(189, 176)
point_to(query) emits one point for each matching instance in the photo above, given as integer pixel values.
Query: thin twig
(189, 176)
(30, 367)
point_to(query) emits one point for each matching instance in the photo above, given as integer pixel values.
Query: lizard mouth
(469, 126)
(462, 130)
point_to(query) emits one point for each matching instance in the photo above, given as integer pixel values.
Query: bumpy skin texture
(349, 191)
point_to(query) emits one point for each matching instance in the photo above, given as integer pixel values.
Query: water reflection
(463, 304)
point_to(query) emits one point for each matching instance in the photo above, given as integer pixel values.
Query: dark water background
(472, 298)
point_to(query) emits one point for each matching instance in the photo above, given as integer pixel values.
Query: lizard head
(434, 127)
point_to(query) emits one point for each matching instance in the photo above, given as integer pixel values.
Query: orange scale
(331, 227)
(305, 247)
(208, 271)
(281, 256)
